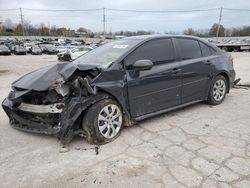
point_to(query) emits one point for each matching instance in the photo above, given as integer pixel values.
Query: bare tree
(8, 24)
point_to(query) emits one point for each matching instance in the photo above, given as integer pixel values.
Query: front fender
(72, 111)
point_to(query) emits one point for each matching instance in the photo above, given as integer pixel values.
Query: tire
(218, 90)
(67, 57)
(97, 123)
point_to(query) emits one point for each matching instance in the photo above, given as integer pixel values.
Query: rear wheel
(217, 91)
(102, 122)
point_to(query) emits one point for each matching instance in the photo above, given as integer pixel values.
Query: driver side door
(158, 88)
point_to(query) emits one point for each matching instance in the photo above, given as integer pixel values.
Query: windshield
(104, 55)
(19, 48)
(35, 48)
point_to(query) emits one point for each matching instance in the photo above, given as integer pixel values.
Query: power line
(126, 10)
(162, 11)
(111, 9)
(235, 9)
(14, 9)
(66, 10)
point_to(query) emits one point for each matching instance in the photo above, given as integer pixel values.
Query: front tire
(102, 123)
(218, 90)
(67, 57)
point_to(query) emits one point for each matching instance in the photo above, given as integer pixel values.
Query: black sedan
(20, 50)
(4, 50)
(118, 84)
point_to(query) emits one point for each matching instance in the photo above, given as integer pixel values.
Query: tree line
(8, 28)
(223, 32)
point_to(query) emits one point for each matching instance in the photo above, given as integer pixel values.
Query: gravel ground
(197, 146)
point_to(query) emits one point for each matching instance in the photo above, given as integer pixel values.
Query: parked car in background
(35, 50)
(50, 49)
(4, 50)
(19, 50)
(72, 54)
(11, 45)
(42, 47)
(118, 84)
(28, 47)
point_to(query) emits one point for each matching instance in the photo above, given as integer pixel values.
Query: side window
(205, 49)
(189, 48)
(212, 50)
(158, 51)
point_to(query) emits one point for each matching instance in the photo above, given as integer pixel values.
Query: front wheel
(67, 57)
(218, 90)
(102, 122)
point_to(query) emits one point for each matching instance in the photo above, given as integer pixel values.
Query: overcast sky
(159, 22)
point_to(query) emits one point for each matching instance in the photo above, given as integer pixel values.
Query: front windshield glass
(104, 55)
(19, 48)
(35, 48)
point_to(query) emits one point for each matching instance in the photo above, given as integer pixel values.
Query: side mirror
(143, 64)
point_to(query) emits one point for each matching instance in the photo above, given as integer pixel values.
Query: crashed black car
(118, 84)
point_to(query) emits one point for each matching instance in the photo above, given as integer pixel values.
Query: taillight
(231, 58)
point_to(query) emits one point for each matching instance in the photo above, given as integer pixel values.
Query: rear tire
(218, 90)
(102, 122)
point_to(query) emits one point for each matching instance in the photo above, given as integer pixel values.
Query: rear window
(206, 50)
(189, 49)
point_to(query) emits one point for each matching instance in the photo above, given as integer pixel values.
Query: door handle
(207, 62)
(176, 70)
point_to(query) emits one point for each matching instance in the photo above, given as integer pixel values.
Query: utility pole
(104, 23)
(21, 14)
(218, 28)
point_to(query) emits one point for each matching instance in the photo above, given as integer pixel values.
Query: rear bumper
(31, 122)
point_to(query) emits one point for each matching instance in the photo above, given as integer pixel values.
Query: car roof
(155, 36)
(144, 38)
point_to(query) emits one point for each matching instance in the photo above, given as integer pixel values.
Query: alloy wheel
(110, 121)
(219, 90)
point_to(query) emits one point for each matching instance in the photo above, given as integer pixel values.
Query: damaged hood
(42, 79)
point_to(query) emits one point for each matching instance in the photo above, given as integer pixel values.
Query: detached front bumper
(34, 118)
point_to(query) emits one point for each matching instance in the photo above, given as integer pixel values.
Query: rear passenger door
(157, 88)
(196, 68)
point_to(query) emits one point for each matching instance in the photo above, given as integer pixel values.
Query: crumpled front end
(49, 102)
(32, 111)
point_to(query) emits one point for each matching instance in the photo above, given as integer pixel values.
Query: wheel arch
(127, 120)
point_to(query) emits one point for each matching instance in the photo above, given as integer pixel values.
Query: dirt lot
(198, 146)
